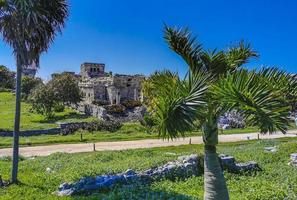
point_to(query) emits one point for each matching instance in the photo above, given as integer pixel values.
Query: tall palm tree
(29, 27)
(216, 83)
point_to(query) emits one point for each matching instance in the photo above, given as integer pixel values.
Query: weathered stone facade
(97, 85)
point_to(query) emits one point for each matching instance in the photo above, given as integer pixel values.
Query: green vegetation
(129, 131)
(61, 90)
(7, 78)
(33, 121)
(217, 82)
(276, 181)
(28, 85)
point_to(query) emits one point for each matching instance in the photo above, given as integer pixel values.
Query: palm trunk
(15, 155)
(215, 187)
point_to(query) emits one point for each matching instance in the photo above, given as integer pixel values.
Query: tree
(215, 84)
(149, 89)
(29, 27)
(7, 78)
(28, 84)
(43, 100)
(66, 88)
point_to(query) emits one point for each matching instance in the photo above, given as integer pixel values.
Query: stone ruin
(96, 84)
(100, 87)
(182, 168)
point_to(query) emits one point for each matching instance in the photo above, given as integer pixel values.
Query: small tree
(29, 27)
(65, 86)
(43, 100)
(28, 84)
(7, 78)
(216, 84)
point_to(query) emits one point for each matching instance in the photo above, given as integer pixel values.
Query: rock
(293, 156)
(293, 159)
(184, 167)
(65, 189)
(270, 149)
(229, 163)
(48, 170)
(248, 166)
(130, 172)
(226, 127)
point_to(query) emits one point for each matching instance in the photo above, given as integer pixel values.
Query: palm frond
(184, 44)
(239, 55)
(177, 110)
(30, 26)
(261, 105)
(215, 62)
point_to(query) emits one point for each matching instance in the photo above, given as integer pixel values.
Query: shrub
(115, 109)
(43, 100)
(110, 126)
(71, 128)
(2, 89)
(148, 121)
(59, 108)
(131, 104)
(100, 102)
(235, 119)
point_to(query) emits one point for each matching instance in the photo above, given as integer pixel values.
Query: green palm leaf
(176, 111)
(262, 105)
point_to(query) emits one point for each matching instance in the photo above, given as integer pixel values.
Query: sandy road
(123, 145)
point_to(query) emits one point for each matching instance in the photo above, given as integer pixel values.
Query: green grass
(129, 131)
(276, 181)
(32, 121)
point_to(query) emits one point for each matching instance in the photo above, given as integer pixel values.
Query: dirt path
(122, 145)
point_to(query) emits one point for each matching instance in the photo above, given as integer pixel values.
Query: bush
(2, 89)
(148, 121)
(71, 128)
(59, 108)
(131, 104)
(100, 102)
(110, 126)
(43, 100)
(115, 109)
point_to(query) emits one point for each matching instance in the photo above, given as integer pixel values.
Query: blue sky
(127, 35)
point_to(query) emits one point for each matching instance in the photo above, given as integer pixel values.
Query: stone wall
(91, 70)
(51, 131)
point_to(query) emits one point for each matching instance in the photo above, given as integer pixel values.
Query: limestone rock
(229, 163)
(293, 159)
(184, 167)
(270, 149)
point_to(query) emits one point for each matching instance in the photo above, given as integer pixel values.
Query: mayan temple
(97, 85)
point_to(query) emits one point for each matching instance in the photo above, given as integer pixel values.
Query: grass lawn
(276, 181)
(32, 121)
(129, 131)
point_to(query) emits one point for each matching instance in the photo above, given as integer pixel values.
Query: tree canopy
(7, 78)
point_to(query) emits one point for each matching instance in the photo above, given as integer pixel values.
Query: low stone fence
(50, 131)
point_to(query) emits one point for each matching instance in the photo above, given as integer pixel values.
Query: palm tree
(29, 27)
(216, 83)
